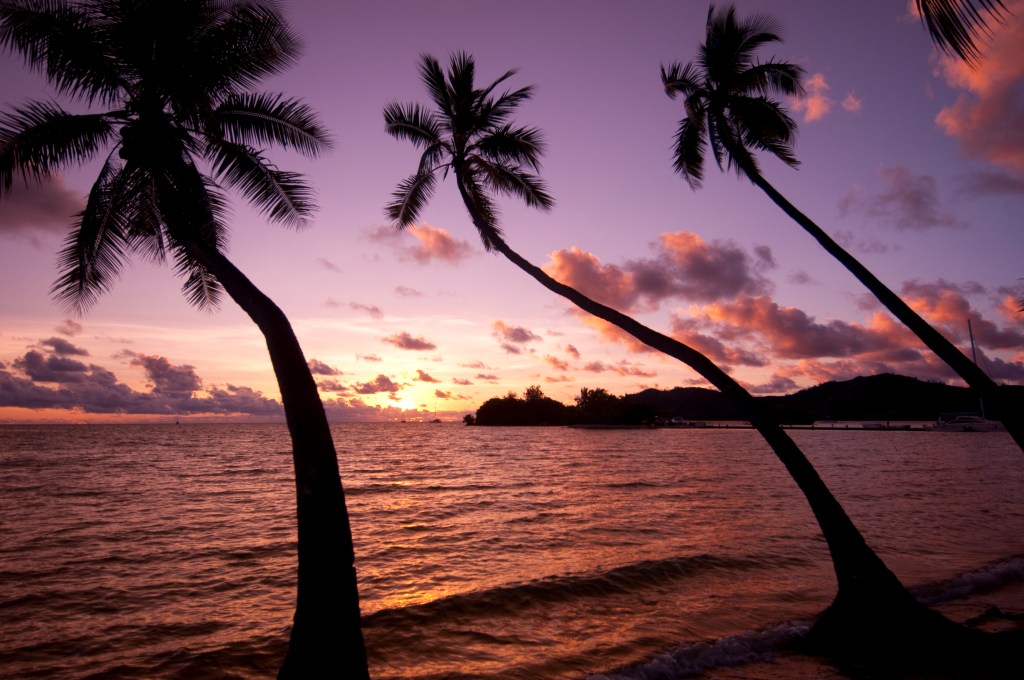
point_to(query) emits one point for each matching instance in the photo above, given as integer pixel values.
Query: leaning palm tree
(956, 25)
(727, 97)
(179, 123)
(469, 134)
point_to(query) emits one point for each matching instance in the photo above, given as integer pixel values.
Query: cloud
(332, 386)
(164, 377)
(70, 328)
(373, 310)
(373, 358)
(623, 368)
(423, 376)
(851, 103)
(815, 102)
(328, 265)
(432, 244)
(684, 266)
(556, 363)
(56, 382)
(406, 291)
(63, 347)
(572, 351)
(907, 201)
(317, 367)
(381, 383)
(405, 341)
(462, 381)
(48, 207)
(513, 335)
(487, 377)
(986, 116)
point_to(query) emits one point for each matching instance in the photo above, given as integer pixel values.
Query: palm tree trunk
(326, 637)
(993, 395)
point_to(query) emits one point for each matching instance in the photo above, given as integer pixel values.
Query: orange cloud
(815, 103)
(986, 117)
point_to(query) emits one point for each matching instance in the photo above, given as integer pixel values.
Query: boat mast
(974, 355)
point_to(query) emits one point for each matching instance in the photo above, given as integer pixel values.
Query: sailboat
(968, 422)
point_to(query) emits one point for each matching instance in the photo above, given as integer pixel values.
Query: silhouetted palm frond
(956, 26)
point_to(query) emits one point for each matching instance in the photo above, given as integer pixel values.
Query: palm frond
(764, 125)
(39, 138)
(495, 112)
(771, 78)
(245, 42)
(512, 181)
(512, 145)
(409, 199)
(957, 26)
(280, 196)
(201, 288)
(681, 80)
(262, 120)
(412, 122)
(433, 78)
(94, 251)
(689, 149)
(483, 212)
(61, 40)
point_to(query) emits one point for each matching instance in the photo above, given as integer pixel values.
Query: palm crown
(469, 132)
(727, 94)
(173, 77)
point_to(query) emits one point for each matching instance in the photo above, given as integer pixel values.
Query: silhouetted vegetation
(884, 397)
(727, 93)
(183, 126)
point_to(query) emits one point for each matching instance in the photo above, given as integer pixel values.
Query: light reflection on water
(167, 551)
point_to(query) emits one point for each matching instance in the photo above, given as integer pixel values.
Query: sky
(913, 161)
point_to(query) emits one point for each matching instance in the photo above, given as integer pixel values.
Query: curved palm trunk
(860, 573)
(994, 396)
(326, 638)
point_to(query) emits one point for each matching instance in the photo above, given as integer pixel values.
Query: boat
(966, 422)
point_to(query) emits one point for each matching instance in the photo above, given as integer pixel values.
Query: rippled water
(168, 551)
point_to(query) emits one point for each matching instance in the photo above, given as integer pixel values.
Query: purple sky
(912, 161)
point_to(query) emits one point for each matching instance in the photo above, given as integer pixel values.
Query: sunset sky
(912, 160)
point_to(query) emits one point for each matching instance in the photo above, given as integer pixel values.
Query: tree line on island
(181, 123)
(884, 397)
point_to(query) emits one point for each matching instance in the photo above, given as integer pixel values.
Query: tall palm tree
(956, 25)
(469, 133)
(178, 122)
(727, 97)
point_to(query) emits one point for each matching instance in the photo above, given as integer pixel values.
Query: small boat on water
(966, 422)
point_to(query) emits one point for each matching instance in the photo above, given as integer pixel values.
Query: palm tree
(727, 98)
(469, 134)
(179, 122)
(955, 25)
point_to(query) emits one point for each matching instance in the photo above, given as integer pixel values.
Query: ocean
(168, 551)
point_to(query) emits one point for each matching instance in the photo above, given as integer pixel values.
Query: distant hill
(877, 397)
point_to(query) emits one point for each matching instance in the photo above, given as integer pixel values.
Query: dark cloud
(63, 347)
(423, 376)
(511, 336)
(373, 310)
(332, 386)
(406, 291)
(48, 207)
(462, 381)
(51, 369)
(487, 377)
(406, 341)
(94, 389)
(572, 351)
(317, 367)
(168, 378)
(381, 383)
(373, 358)
(556, 363)
(907, 201)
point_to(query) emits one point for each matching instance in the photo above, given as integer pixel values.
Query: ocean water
(163, 551)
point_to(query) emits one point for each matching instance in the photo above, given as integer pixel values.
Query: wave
(696, 658)
(509, 599)
(988, 577)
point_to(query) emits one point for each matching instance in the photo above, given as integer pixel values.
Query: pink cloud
(986, 117)
(431, 244)
(317, 367)
(423, 376)
(48, 207)
(684, 266)
(513, 335)
(406, 341)
(815, 102)
(381, 383)
(906, 201)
